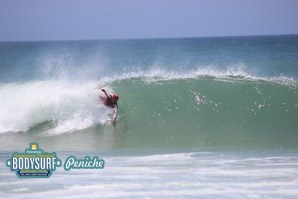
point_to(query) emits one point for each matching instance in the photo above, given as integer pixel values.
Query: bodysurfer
(111, 102)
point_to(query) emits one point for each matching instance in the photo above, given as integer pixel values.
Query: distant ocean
(198, 117)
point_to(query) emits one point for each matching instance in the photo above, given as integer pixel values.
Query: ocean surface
(198, 117)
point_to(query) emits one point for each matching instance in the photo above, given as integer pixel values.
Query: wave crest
(234, 72)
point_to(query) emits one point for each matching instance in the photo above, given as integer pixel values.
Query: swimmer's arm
(104, 91)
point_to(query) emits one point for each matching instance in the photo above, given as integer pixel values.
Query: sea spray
(68, 106)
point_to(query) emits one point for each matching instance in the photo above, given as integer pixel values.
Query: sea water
(198, 117)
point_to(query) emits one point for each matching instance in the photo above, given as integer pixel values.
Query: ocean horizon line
(150, 38)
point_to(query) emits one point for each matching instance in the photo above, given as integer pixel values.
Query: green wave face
(207, 112)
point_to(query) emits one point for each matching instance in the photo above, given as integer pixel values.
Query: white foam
(70, 106)
(183, 175)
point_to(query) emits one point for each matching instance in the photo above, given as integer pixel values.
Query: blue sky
(117, 19)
